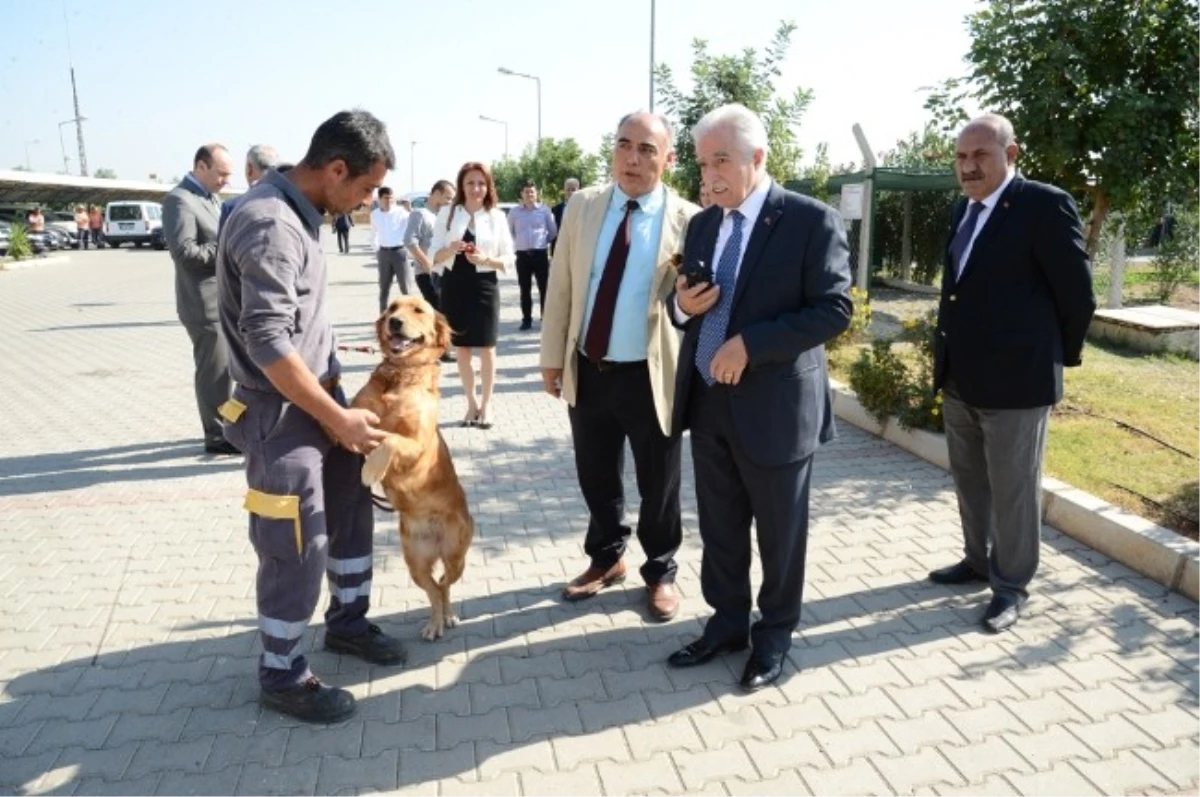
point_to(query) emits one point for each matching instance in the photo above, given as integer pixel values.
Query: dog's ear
(442, 329)
(379, 322)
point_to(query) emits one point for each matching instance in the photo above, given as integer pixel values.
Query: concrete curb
(911, 287)
(1169, 558)
(12, 265)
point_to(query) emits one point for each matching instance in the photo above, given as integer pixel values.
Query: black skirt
(471, 302)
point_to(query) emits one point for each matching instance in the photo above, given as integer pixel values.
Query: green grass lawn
(1157, 394)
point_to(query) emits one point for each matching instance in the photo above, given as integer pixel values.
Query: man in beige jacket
(609, 350)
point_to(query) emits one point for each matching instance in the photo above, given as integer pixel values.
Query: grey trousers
(996, 460)
(394, 265)
(196, 306)
(310, 519)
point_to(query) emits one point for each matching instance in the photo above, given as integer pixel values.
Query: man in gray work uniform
(309, 513)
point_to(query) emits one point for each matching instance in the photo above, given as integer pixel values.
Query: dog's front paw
(433, 629)
(451, 620)
(375, 466)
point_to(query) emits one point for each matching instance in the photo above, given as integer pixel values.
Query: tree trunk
(1099, 214)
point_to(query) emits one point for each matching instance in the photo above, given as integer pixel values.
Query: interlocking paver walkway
(127, 643)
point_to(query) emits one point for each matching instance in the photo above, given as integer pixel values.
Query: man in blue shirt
(609, 350)
(533, 228)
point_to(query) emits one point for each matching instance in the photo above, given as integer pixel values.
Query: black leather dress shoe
(703, 650)
(961, 573)
(221, 448)
(373, 646)
(1001, 614)
(311, 701)
(763, 669)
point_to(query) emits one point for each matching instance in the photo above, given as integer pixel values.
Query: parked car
(39, 242)
(60, 238)
(54, 237)
(418, 198)
(158, 238)
(131, 222)
(4, 238)
(63, 221)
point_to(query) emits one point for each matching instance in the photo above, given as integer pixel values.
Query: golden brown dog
(413, 463)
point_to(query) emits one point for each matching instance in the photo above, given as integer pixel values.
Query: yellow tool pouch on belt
(231, 410)
(276, 507)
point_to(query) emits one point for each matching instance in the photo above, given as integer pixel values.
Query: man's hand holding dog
(697, 299)
(356, 430)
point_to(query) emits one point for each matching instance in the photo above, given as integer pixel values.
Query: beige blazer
(567, 292)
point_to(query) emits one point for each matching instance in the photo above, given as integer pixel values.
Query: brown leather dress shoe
(593, 580)
(664, 601)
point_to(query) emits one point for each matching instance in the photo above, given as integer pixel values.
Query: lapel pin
(1006, 205)
(767, 221)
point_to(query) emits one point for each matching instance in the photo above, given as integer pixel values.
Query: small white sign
(852, 201)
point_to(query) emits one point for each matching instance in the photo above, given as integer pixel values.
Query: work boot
(372, 646)
(310, 701)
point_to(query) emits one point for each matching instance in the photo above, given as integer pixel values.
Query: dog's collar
(398, 373)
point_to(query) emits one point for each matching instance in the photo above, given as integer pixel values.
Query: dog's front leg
(395, 449)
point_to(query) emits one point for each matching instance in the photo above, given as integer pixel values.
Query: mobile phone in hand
(698, 273)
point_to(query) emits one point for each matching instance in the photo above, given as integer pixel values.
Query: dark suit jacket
(557, 213)
(792, 295)
(1022, 306)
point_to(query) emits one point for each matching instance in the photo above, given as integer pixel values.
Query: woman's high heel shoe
(472, 419)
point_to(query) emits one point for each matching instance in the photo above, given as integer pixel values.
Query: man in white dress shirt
(389, 222)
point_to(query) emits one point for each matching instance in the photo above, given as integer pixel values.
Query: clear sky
(159, 77)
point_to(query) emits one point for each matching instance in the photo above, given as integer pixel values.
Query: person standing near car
(81, 227)
(96, 225)
(35, 220)
(191, 217)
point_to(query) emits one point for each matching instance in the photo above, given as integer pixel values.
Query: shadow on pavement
(73, 470)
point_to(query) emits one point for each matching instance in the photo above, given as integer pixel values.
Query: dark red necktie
(595, 345)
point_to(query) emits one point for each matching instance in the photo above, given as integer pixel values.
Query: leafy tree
(928, 211)
(607, 142)
(105, 173)
(1178, 255)
(747, 79)
(1103, 95)
(548, 166)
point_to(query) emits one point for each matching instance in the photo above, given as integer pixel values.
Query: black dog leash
(381, 502)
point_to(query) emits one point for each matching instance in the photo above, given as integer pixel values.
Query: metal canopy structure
(886, 179)
(28, 188)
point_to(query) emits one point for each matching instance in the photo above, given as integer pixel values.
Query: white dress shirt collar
(752, 205)
(990, 201)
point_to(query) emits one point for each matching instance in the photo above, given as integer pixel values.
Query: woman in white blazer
(471, 243)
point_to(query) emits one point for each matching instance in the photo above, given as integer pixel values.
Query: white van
(131, 222)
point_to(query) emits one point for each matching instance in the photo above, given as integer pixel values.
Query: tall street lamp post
(28, 164)
(506, 71)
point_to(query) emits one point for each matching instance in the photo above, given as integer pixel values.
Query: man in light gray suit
(191, 212)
